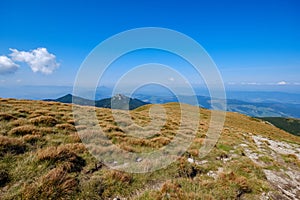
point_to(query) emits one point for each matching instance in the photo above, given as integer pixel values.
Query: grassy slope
(42, 157)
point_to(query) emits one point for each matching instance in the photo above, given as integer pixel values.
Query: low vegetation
(290, 125)
(42, 157)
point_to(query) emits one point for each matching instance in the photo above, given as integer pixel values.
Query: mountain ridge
(118, 101)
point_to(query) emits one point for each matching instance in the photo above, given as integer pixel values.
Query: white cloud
(171, 79)
(282, 83)
(39, 60)
(7, 66)
(250, 83)
(231, 83)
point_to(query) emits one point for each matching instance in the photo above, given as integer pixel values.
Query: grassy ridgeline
(42, 157)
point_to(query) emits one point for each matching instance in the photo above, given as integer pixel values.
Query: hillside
(42, 157)
(290, 125)
(118, 102)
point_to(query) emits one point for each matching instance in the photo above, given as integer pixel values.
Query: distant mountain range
(118, 101)
(254, 109)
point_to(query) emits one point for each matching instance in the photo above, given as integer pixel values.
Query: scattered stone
(214, 174)
(201, 162)
(211, 174)
(139, 159)
(190, 160)
(264, 196)
(244, 145)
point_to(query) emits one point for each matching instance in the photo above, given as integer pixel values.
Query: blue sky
(253, 43)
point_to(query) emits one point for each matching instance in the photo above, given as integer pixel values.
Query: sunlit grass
(42, 157)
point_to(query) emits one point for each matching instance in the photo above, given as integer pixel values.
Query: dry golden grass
(76, 147)
(62, 156)
(74, 138)
(81, 127)
(11, 145)
(188, 170)
(19, 122)
(44, 121)
(240, 182)
(24, 130)
(120, 176)
(22, 110)
(71, 121)
(56, 184)
(171, 190)
(243, 123)
(46, 130)
(68, 128)
(6, 117)
(160, 141)
(38, 136)
(32, 139)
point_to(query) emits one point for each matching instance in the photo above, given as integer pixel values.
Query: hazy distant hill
(117, 102)
(288, 124)
(255, 109)
(120, 102)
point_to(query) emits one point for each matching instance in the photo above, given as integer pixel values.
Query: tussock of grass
(239, 183)
(56, 184)
(114, 182)
(188, 170)
(66, 127)
(11, 145)
(171, 190)
(44, 121)
(119, 176)
(32, 139)
(76, 147)
(193, 152)
(24, 130)
(6, 117)
(62, 156)
(160, 141)
(74, 138)
(80, 127)
(46, 130)
(18, 122)
(71, 121)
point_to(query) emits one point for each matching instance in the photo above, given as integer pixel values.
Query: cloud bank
(39, 60)
(7, 66)
(282, 83)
